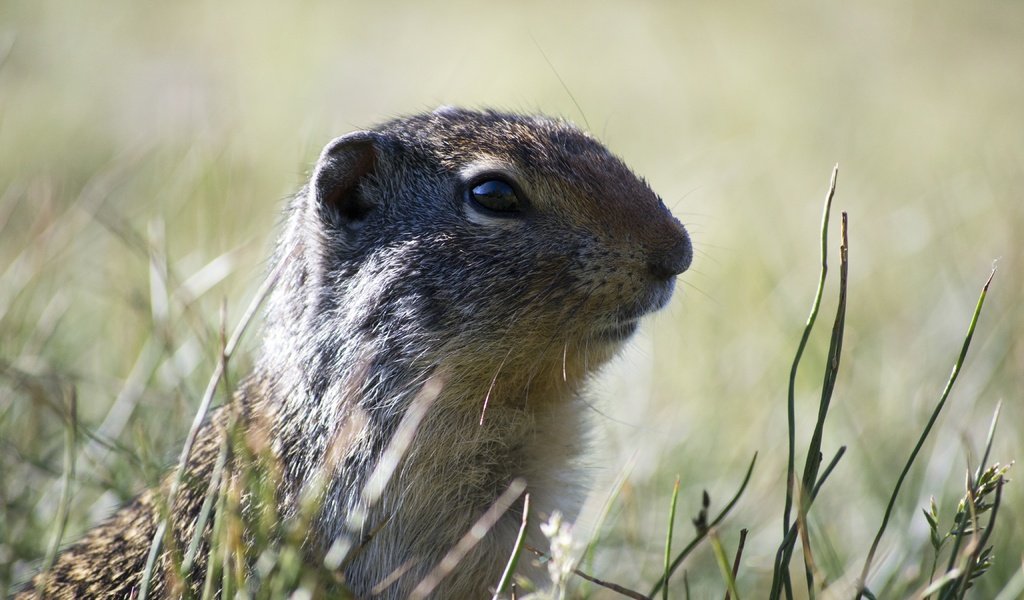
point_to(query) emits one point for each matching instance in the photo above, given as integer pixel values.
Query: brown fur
(395, 281)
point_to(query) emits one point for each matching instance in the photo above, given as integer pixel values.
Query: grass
(144, 156)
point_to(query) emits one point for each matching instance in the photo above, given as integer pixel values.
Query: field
(146, 152)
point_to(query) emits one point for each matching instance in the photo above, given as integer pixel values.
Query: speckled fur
(393, 279)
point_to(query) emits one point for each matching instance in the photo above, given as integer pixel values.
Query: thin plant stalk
(780, 577)
(980, 547)
(924, 435)
(668, 535)
(213, 566)
(616, 489)
(791, 397)
(64, 504)
(791, 392)
(988, 442)
(835, 352)
(212, 494)
(723, 563)
(469, 540)
(805, 543)
(972, 485)
(793, 529)
(610, 586)
(739, 556)
(701, 535)
(200, 417)
(510, 567)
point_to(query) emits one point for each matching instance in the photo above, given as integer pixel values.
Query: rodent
(496, 259)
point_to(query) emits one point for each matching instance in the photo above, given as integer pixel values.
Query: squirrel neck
(340, 370)
(334, 435)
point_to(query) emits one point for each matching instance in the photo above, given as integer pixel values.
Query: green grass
(145, 153)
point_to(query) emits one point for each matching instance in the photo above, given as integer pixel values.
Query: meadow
(147, 151)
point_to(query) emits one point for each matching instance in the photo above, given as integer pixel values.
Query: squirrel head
(504, 249)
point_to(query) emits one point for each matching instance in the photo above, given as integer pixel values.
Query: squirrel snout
(671, 259)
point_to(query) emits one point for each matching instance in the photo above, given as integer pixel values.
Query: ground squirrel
(495, 259)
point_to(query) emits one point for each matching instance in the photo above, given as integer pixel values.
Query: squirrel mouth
(626, 321)
(619, 332)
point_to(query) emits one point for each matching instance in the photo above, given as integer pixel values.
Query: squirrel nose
(672, 259)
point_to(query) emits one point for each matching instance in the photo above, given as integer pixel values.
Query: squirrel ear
(336, 180)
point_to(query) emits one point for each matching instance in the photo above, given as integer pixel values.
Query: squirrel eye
(496, 195)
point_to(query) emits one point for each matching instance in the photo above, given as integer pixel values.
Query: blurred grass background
(146, 149)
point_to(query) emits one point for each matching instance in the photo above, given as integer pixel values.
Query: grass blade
(510, 568)
(469, 540)
(663, 581)
(778, 574)
(790, 538)
(791, 396)
(739, 556)
(723, 564)
(972, 485)
(668, 536)
(200, 417)
(70, 440)
(924, 435)
(780, 577)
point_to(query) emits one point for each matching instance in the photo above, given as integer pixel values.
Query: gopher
(474, 266)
